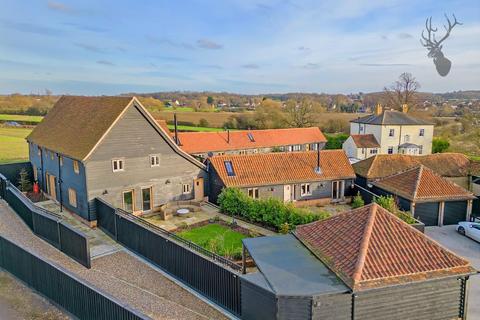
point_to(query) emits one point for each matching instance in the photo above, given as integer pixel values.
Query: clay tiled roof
(77, 123)
(282, 167)
(365, 141)
(421, 184)
(383, 165)
(202, 142)
(391, 117)
(370, 247)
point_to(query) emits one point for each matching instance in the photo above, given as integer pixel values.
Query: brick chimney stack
(404, 108)
(378, 109)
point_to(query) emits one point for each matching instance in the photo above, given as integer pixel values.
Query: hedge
(269, 212)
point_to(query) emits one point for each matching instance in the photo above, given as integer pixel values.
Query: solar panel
(229, 168)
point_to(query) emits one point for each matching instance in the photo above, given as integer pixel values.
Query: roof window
(250, 136)
(229, 168)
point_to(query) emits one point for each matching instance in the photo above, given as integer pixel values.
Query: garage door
(455, 211)
(427, 213)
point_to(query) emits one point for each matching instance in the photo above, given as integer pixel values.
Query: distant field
(217, 119)
(196, 129)
(20, 118)
(13, 147)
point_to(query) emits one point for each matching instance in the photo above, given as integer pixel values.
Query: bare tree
(301, 114)
(402, 91)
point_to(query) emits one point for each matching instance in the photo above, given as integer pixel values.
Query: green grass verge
(20, 117)
(13, 146)
(179, 109)
(195, 129)
(216, 238)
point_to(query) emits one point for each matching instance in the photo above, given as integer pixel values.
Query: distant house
(205, 144)
(361, 146)
(290, 177)
(110, 147)
(395, 132)
(360, 264)
(429, 197)
(454, 167)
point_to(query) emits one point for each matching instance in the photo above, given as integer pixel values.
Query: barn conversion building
(205, 144)
(308, 177)
(110, 147)
(361, 264)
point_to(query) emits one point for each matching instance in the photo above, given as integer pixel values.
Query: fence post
(115, 224)
(59, 236)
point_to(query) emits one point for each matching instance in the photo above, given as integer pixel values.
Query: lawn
(216, 238)
(13, 147)
(20, 118)
(193, 128)
(179, 109)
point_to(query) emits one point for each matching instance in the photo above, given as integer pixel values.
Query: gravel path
(120, 274)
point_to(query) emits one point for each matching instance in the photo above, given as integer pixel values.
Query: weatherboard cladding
(134, 139)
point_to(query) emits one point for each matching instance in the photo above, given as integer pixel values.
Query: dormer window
(117, 165)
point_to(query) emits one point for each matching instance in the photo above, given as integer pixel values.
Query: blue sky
(244, 46)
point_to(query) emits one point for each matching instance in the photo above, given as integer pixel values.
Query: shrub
(357, 201)
(23, 181)
(440, 145)
(270, 212)
(203, 123)
(388, 202)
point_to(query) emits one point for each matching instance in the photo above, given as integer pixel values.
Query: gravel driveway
(120, 274)
(467, 248)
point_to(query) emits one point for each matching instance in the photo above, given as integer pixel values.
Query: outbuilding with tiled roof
(388, 269)
(306, 177)
(431, 198)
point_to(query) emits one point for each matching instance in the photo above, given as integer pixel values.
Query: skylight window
(229, 168)
(250, 136)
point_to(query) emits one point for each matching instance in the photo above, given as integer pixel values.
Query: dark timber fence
(211, 275)
(46, 224)
(59, 285)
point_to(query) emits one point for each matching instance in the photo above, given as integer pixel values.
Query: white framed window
(373, 151)
(390, 150)
(391, 133)
(361, 128)
(186, 188)
(242, 152)
(305, 189)
(76, 166)
(154, 160)
(72, 197)
(118, 165)
(422, 132)
(363, 150)
(297, 147)
(253, 193)
(407, 138)
(420, 149)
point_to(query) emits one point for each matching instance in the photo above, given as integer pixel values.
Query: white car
(469, 229)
